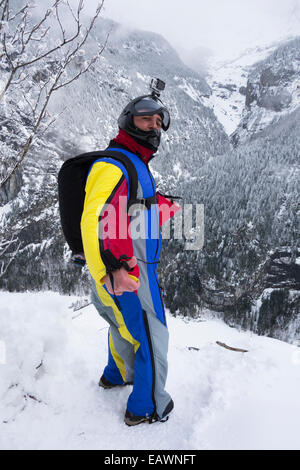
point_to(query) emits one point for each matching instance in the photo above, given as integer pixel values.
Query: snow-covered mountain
(256, 88)
(223, 399)
(251, 196)
(272, 91)
(228, 82)
(88, 113)
(248, 270)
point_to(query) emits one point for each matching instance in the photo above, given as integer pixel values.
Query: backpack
(71, 192)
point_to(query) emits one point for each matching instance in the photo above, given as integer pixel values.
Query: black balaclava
(147, 105)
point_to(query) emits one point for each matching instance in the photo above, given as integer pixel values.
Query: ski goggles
(147, 106)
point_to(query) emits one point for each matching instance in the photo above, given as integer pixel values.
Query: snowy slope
(255, 88)
(223, 399)
(226, 79)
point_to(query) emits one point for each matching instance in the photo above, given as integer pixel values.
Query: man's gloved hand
(121, 280)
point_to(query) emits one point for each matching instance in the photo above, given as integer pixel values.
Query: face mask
(144, 106)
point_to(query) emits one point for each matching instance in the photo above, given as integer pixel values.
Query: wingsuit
(138, 334)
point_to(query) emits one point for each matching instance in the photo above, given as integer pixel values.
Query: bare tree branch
(20, 54)
(89, 64)
(37, 26)
(4, 6)
(63, 43)
(230, 347)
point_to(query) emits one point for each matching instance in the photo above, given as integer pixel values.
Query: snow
(228, 104)
(52, 358)
(189, 90)
(4, 210)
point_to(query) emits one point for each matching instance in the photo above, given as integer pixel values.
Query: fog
(220, 27)
(200, 29)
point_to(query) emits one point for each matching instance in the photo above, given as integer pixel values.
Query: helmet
(146, 105)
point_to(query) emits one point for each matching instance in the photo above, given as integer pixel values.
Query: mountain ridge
(244, 190)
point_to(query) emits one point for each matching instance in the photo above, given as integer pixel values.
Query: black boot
(104, 383)
(132, 420)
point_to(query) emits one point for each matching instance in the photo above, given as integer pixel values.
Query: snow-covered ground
(51, 358)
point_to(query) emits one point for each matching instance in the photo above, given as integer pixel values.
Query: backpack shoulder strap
(133, 200)
(120, 157)
(133, 178)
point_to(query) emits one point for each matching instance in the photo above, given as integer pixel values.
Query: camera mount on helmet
(156, 86)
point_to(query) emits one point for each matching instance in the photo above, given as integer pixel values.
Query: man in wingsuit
(126, 290)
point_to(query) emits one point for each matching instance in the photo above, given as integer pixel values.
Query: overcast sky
(223, 26)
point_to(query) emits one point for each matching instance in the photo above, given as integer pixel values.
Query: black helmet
(146, 105)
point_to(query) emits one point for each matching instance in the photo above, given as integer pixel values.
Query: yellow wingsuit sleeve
(101, 182)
